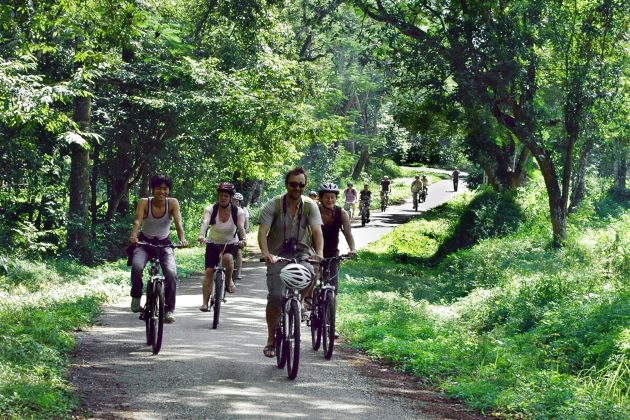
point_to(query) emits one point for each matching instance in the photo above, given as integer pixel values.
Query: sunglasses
(296, 185)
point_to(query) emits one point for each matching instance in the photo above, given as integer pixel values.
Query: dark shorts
(213, 250)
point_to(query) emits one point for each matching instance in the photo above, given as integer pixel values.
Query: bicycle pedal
(141, 316)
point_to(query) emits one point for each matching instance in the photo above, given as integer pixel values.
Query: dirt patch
(400, 384)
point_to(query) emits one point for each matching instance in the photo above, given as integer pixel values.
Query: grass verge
(42, 304)
(509, 325)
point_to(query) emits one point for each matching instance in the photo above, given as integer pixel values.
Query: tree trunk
(361, 163)
(578, 187)
(96, 160)
(79, 232)
(620, 164)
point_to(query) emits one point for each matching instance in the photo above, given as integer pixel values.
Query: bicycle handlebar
(178, 245)
(312, 261)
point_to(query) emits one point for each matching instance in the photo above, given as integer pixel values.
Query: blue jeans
(167, 260)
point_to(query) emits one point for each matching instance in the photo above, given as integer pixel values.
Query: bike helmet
(328, 187)
(350, 184)
(295, 276)
(312, 194)
(226, 187)
(238, 196)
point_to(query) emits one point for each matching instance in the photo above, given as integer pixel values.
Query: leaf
(73, 137)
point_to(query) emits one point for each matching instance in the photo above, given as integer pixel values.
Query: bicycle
(324, 310)
(287, 333)
(364, 210)
(218, 287)
(415, 200)
(153, 310)
(384, 200)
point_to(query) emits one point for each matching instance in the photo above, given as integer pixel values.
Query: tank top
(331, 234)
(224, 232)
(156, 227)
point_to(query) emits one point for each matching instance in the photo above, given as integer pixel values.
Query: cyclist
(290, 226)
(227, 231)
(386, 188)
(313, 196)
(425, 183)
(350, 199)
(365, 197)
(155, 214)
(455, 179)
(416, 186)
(237, 200)
(334, 220)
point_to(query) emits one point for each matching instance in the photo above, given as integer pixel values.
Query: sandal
(231, 288)
(269, 350)
(203, 308)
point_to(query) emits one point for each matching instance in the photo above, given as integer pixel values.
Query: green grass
(510, 325)
(41, 305)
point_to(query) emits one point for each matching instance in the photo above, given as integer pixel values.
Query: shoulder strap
(234, 214)
(213, 216)
(337, 219)
(277, 208)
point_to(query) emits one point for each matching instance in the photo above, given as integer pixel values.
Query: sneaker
(169, 318)
(135, 305)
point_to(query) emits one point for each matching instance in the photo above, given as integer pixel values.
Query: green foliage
(510, 325)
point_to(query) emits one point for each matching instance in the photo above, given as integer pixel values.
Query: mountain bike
(287, 334)
(423, 194)
(415, 200)
(323, 314)
(364, 210)
(218, 287)
(153, 310)
(384, 200)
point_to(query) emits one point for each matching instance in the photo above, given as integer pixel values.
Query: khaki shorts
(275, 285)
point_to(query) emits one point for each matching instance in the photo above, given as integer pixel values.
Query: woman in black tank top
(335, 219)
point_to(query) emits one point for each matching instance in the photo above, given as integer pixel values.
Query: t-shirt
(417, 185)
(365, 195)
(286, 227)
(385, 185)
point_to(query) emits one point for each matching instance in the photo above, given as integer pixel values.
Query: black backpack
(215, 211)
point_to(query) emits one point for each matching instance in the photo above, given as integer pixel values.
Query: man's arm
(345, 227)
(263, 231)
(207, 214)
(177, 218)
(140, 210)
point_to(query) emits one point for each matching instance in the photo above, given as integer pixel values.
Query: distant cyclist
(226, 224)
(313, 196)
(386, 188)
(237, 200)
(155, 214)
(350, 196)
(365, 197)
(416, 186)
(455, 179)
(425, 183)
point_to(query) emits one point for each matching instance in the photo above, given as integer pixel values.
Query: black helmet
(328, 187)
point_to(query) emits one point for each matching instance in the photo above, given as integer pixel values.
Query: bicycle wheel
(146, 313)
(292, 342)
(158, 317)
(219, 284)
(281, 357)
(328, 324)
(316, 323)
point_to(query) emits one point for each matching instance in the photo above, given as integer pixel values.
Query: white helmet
(295, 276)
(238, 196)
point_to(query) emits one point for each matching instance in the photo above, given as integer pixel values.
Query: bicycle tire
(219, 283)
(281, 358)
(147, 318)
(316, 323)
(292, 342)
(328, 324)
(159, 327)
(153, 319)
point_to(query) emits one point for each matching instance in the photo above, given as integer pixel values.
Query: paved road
(205, 373)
